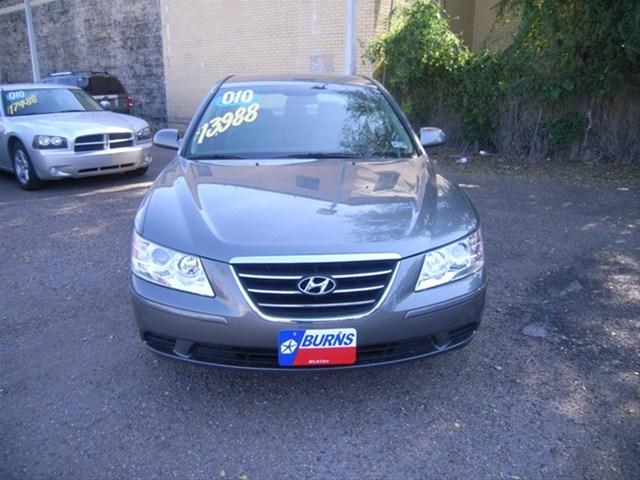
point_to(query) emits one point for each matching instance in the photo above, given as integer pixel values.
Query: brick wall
(211, 39)
(120, 36)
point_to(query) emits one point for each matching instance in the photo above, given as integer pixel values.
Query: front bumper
(55, 164)
(226, 331)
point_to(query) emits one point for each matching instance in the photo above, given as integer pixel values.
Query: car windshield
(104, 85)
(299, 120)
(37, 101)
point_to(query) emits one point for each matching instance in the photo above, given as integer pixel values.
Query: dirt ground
(550, 387)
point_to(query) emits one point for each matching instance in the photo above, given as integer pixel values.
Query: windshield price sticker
(15, 95)
(20, 104)
(222, 123)
(399, 144)
(232, 98)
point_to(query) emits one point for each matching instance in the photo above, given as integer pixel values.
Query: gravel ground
(550, 388)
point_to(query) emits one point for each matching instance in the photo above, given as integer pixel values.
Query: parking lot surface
(548, 389)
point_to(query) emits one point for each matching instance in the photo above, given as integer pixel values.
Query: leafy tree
(419, 54)
(587, 46)
(563, 52)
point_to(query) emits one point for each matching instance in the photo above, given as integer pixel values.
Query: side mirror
(432, 137)
(167, 138)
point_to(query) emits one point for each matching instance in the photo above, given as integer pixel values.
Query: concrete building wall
(120, 36)
(475, 22)
(486, 31)
(461, 18)
(205, 40)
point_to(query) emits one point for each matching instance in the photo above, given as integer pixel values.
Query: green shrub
(586, 46)
(564, 131)
(420, 54)
(565, 58)
(427, 67)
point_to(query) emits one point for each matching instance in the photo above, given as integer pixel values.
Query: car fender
(9, 137)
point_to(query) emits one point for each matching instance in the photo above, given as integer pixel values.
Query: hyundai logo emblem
(317, 285)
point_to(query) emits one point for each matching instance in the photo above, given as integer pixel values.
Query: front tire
(23, 170)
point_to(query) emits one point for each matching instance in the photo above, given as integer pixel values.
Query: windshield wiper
(216, 156)
(44, 113)
(31, 113)
(392, 154)
(320, 155)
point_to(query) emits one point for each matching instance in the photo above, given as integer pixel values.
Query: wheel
(139, 172)
(23, 169)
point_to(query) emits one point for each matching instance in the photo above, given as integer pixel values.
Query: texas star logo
(289, 346)
(317, 347)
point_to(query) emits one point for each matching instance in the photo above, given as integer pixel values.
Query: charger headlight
(452, 262)
(144, 134)
(49, 141)
(169, 268)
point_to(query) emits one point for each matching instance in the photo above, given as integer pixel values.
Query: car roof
(80, 73)
(25, 86)
(303, 77)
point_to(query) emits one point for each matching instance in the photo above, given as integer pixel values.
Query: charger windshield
(281, 121)
(39, 101)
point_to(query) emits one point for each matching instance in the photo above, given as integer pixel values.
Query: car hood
(239, 208)
(75, 124)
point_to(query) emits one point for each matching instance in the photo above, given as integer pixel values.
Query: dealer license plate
(317, 348)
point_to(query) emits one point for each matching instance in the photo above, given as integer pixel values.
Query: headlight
(49, 141)
(169, 268)
(144, 134)
(452, 262)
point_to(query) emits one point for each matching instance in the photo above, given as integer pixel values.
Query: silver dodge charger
(302, 226)
(49, 132)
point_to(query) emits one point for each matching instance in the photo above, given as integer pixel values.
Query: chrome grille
(120, 140)
(273, 288)
(91, 143)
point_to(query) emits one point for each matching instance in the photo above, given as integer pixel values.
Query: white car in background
(49, 132)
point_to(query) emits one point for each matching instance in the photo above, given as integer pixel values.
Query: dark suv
(105, 88)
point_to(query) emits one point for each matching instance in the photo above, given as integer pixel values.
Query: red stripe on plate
(318, 357)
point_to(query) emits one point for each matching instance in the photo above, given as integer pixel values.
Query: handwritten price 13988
(222, 123)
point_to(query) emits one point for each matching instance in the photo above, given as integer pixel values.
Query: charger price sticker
(15, 95)
(222, 123)
(19, 101)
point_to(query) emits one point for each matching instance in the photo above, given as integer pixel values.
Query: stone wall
(122, 37)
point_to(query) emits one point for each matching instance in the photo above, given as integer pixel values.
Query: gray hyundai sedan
(302, 226)
(49, 132)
